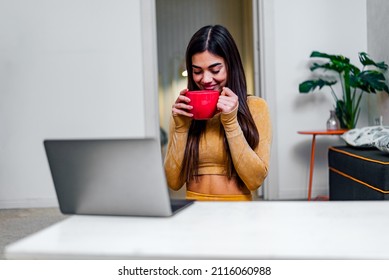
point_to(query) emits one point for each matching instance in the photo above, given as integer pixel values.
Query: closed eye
(215, 68)
(197, 70)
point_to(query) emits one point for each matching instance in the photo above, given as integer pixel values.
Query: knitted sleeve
(251, 165)
(178, 135)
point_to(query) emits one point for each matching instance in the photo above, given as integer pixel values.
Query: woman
(226, 157)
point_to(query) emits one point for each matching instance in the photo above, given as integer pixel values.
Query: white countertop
(221, 230)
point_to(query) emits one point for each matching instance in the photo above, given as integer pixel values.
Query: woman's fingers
(181, 106)
(228, 100)
(181, 109)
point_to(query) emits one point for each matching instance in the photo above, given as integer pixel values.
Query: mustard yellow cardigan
(251, 165)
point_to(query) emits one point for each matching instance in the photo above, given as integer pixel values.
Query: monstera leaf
(311, 85)
(370, 81)
(366, 61)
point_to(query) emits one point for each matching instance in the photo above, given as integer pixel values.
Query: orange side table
(314, 133)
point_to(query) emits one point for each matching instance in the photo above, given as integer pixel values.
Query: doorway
(177, 21)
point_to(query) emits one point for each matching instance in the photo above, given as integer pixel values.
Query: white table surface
(221, 230)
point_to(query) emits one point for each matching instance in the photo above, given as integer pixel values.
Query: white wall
(291, 31)
(378, 47)
(70, 69)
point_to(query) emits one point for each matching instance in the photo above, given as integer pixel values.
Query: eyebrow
(210, 66)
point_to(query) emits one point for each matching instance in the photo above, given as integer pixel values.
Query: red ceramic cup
(203, 102)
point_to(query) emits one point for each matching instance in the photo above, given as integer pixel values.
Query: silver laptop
(110, 177)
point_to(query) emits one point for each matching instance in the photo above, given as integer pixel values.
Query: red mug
(204, 103)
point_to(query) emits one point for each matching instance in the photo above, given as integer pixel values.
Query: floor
(18, 223)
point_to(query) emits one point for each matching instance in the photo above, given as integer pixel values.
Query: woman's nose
(207, 78)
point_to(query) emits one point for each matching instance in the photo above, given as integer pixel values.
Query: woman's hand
(228, 101)
(181, 107)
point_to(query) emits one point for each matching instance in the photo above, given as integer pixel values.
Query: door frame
(264, 72)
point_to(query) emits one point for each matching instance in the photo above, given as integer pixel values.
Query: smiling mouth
(211, 87)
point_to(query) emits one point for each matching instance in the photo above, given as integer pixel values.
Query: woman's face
(209, 71)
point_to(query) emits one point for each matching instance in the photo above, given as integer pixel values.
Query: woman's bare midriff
(216, 184)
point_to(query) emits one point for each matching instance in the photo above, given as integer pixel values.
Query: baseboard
(302, 193)
(28, 203)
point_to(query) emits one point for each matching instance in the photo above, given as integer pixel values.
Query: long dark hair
(217, 40)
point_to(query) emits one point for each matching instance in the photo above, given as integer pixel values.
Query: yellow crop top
(251, 165)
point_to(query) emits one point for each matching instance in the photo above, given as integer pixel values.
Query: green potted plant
(354, 82)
